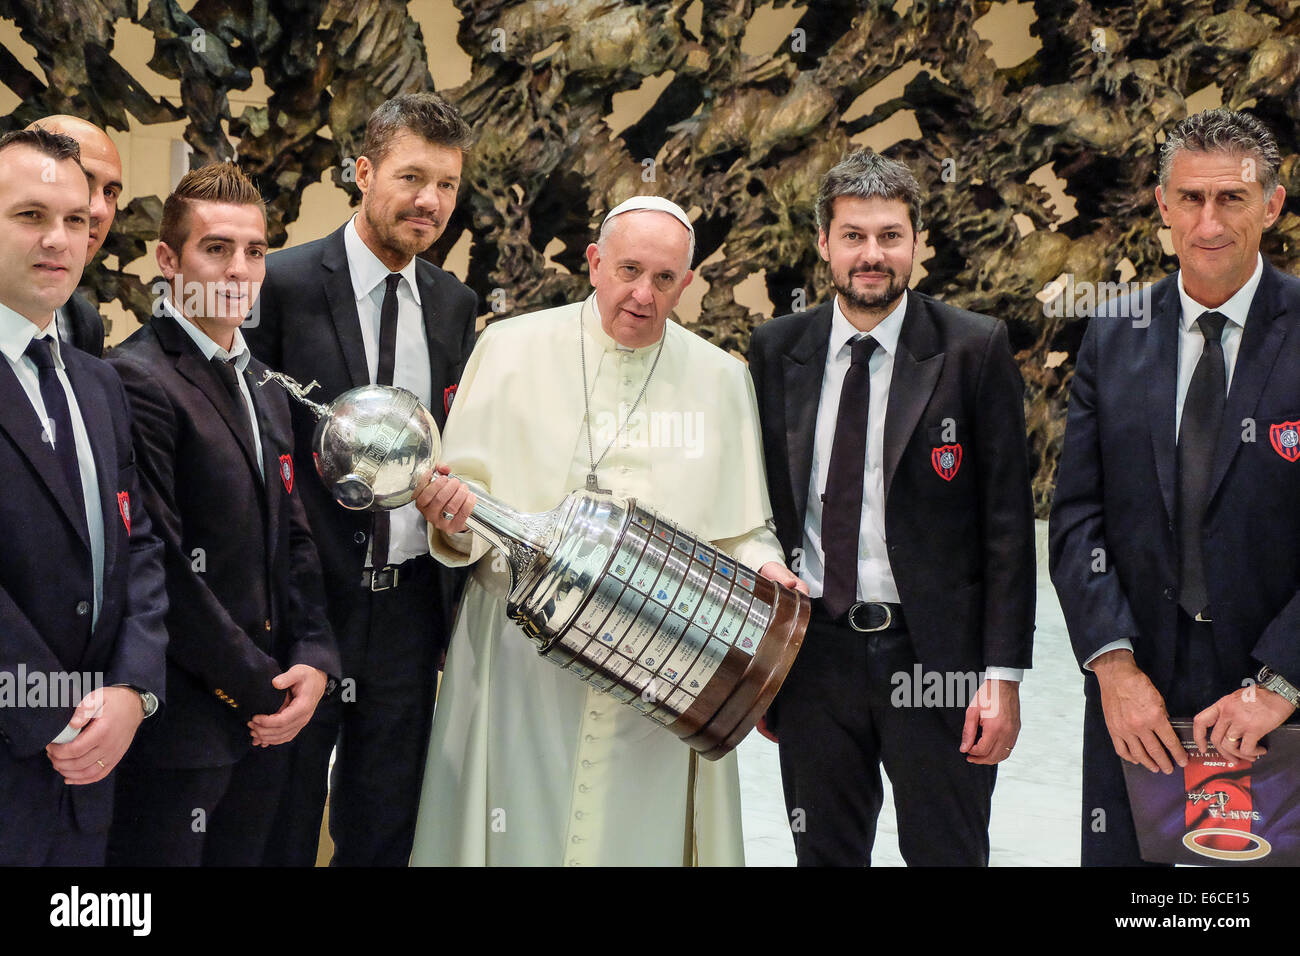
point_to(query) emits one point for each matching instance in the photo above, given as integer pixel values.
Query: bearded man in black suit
(357, 307)
(894, 436)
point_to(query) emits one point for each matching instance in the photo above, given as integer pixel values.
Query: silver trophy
(608, 589)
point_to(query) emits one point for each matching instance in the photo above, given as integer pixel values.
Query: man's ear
(1273, 208)
(593, 262)
(168, 260)
(365, 169)
(822, 248)
(1163, 206)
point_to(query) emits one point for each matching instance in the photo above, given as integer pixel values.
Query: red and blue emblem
(286, 472)
(448, 396)
(124, 509)
(946, 460)
(1285, 438)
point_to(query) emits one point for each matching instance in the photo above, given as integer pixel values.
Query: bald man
(78, 320)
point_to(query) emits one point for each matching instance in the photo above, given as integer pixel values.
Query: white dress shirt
(16, 333)
(1190, 345)
(875, 577)
(240, 355)
(408, 534)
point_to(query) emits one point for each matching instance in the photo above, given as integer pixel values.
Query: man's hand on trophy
(778, 572)
(445, 502)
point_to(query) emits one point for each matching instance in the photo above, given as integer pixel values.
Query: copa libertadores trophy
(606, 588)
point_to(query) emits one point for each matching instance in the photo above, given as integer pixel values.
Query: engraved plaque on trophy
(608, 589)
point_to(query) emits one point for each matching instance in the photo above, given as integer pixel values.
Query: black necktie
(229, 376)
(384, 376)
(842, 504)
(1198, 434)
(58, 427)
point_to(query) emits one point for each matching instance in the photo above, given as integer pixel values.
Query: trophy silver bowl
(606, 588)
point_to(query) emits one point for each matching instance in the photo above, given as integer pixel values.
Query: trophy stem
(520, 537)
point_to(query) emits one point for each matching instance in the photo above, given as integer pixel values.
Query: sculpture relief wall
(1034, 129)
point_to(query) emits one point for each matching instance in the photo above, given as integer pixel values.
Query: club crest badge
(124, 509)
(286, 472)
(448, 396)
(946, 460)
(1285, 438)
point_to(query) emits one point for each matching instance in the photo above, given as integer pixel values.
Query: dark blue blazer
(243, 579)
(47, 591)
(1114, 556)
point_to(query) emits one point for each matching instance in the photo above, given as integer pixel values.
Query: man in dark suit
(893, 431)
(78, 321)
(1174, 525)
(357, 307)
(81, 584)
(250, 651)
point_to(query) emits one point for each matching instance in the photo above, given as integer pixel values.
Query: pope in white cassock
(527, 764)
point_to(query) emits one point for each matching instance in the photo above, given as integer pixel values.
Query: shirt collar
(17, 332)
(591, 322)
(885, 333)
(366, 269)
(238, 353)
(1236, 308)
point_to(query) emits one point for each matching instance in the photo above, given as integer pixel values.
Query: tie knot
(41, 352)
(863, 347)
(1212, 324)
(390, 282)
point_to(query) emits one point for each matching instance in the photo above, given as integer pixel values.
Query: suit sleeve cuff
(1123, 644)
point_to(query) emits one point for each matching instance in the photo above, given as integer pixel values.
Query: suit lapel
(803, 368)
(19, 420)
(191, 364)
(430, 314)
(343, 309)
(1162, 386)
(1261, 344)
(917, 365)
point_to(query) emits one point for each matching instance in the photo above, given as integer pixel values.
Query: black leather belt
(389, 576)
(867, 617)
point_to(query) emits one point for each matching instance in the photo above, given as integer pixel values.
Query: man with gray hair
(1180, 470)
(528, 765)
(894, 434)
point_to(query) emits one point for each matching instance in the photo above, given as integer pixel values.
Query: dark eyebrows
(422, 171)
(888, 227)
(211, 237)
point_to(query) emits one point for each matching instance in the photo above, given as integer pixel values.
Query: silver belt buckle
(889, 617)
(1202, 619)
(374, 577)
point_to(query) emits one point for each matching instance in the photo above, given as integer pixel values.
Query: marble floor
(1036, 802)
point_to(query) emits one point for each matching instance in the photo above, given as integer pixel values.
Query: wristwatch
(1270, 679)
(148, 700)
